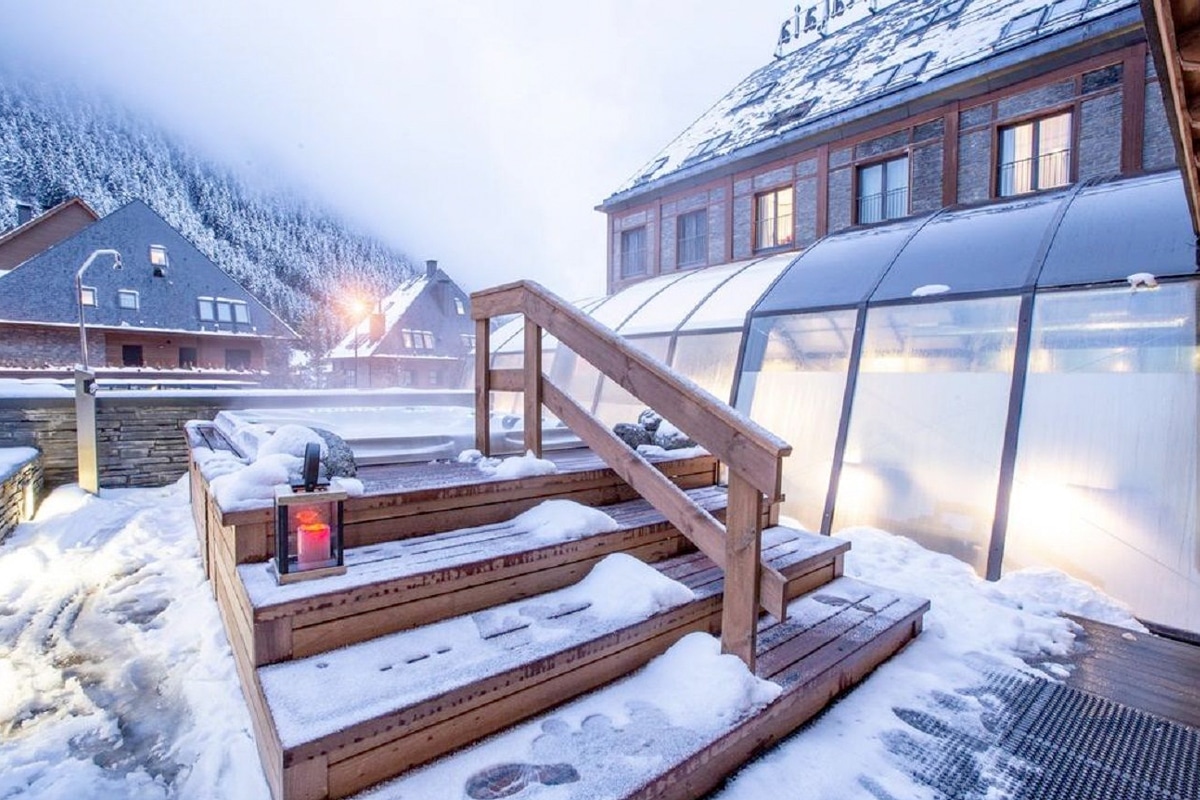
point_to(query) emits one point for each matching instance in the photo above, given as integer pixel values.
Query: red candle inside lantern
(312, 538)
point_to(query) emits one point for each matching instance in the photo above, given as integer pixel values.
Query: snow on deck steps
(679, 726)
(350, 718)
(398, 585)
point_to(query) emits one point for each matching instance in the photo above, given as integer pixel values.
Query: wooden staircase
(455, 620)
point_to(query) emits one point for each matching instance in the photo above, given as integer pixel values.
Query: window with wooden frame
(882, 190)
(87, 295)
(691, 238)
(633, 252)
(774, 218)
(1034, 155)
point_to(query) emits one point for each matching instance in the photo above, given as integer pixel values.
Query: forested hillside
(298, 259)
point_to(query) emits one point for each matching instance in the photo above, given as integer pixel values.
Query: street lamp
(79, 296)
(357, 308)
(85, 389)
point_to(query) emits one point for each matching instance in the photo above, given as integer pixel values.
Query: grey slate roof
(906, 50)
(42, 289)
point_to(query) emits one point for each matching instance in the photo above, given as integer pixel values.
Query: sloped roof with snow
(394, 307)
(905, 50)
(42, 289)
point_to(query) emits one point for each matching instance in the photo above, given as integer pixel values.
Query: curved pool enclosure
(985, 380)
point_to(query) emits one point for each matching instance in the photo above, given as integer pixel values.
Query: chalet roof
(46, 216)
(394, 306)
(905, 51)
(42, 289)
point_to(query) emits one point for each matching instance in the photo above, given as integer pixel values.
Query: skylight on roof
(1029, 21)
(911, 68)
(880, 79)
(708, 147)
(757, 96)
(648, 173)
(943, 12)
(1065, 8)
(832, 61)
(789, 115)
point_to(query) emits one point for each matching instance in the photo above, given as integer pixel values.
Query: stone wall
(140, 434)
(20, 489)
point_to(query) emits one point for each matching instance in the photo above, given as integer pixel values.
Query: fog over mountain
(299, 259)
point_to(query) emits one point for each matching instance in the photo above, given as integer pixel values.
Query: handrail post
(533, 388)
(483, 386)
(743, 552)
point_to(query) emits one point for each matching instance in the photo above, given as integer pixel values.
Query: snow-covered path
(116, 679)
(115, 676)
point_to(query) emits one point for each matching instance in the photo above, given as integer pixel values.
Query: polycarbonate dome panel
(728, 305)
(980, 249)
(667, 310)
(1117, 228)
(839, 270)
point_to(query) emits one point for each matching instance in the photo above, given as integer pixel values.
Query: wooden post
(533, 388)
(743, 546)
(483, 387)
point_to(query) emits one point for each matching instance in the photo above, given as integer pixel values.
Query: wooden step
(405, 500)
(833, 638)
(440, 704)
(399, 585)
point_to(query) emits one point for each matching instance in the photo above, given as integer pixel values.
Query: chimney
(431, 268)
(24, 212)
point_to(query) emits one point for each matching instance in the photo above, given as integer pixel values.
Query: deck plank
(1140, 670)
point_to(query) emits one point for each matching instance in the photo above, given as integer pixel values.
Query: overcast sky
(480, 134)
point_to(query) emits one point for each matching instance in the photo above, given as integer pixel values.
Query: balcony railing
(1033, 174)
(891, 204)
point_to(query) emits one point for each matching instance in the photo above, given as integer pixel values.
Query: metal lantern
(308, 527)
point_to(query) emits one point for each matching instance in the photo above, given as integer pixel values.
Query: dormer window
(87, 296)
(127, 299)
(158, 256)
(459, 308)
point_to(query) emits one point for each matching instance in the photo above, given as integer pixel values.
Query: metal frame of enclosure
(985, 380)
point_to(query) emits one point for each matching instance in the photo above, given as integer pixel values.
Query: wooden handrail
(751, 453)
(716, 427)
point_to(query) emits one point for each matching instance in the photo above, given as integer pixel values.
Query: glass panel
(870, 193)
(1106, 475)
(838, 270)
(1016, 159)
(728, 305)
(665, 311)
(574, 375)
(792, 384)
(616, 404)
(1054, 151)
(897, 188)
(927, 427)
(633, 252)
(709, 359)
(621, 305)
(508, 402)
(985, 248)
(1115, 229)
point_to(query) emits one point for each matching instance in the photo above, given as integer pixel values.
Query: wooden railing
(751, 453)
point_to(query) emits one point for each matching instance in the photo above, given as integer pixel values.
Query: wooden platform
(433, 545)
(399, 585)
(834, 637)
(1139, 670)
(527, 681)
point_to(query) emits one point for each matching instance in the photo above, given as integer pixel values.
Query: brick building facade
(942, 133)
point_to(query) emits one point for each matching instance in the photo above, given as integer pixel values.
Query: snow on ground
(116, 679)
(115, 676)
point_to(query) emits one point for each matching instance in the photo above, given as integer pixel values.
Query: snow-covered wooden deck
(432, 641)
